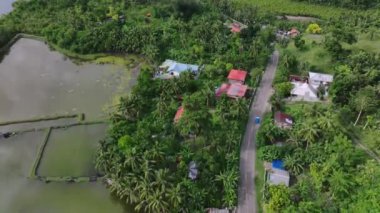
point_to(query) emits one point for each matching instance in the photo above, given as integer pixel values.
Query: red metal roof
(179, 114)
(283, 118)
(237, 90)
(235, 29)
(238, 75)
(222, 90)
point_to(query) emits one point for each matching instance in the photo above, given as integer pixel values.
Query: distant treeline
(353, 4)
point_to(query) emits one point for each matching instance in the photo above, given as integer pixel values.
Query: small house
(235, 26)
(317, 79)
(304, 91)
(179, 114)
(232, 90)
(283, 120)
(172, 69)
(237, 76)
(276, 174)
(294, 32)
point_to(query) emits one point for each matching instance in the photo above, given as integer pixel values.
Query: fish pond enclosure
(55, 111)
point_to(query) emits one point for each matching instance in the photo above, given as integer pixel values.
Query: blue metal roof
(278, 164)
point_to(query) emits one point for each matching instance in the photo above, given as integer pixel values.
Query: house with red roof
(232, 90)
(237, 76)
(293, 32)
(179, 114)
(283, 120)
(235, 26)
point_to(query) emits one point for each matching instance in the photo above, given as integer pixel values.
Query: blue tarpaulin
(278, 164)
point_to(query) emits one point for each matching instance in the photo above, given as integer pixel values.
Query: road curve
(247, 193)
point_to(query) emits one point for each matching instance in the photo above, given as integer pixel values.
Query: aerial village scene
(187, 106)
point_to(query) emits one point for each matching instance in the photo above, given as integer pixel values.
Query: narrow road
(247, 193)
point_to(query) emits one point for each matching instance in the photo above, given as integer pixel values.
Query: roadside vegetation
(320, 151)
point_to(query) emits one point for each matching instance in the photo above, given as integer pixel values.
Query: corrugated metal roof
(238, 75)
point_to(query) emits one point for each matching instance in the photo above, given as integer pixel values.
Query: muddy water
(34, 82)
(6, 6)
(70, 152)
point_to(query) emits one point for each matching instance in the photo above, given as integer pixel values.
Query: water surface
(35, 82)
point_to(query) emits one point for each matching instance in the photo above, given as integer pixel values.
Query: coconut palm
(175, 197)
(293, 164)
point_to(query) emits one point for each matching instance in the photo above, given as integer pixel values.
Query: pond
(36, 81)
(6, 6)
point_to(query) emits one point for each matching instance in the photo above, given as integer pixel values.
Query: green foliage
(363, 4)
(279, 199)
(283, 89)
(314, 29)
(299, 42)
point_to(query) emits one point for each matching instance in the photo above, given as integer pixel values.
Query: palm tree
(340, 184)
(156, 203)
(309, 132)
(175, 197)
(229, 179)
(293, 164)
(160, 180)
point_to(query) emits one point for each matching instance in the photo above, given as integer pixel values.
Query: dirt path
(247, 193)
(298, 18)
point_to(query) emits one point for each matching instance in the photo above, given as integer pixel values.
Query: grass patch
(289, 7)
(314, 54)
(365, 43)
(259, 182)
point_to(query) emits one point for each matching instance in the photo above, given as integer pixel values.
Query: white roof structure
(171, 68)
(213, 210)
(319, 77)
(193, 170)
(278, 176)
(304, 90)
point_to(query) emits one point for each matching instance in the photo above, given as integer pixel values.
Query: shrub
(314, 28)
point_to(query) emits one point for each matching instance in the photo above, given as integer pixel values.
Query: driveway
(247, 193)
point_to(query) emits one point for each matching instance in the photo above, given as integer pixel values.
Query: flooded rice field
(70, 152)
(38, 82)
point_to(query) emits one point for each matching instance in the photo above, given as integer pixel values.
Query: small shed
(237, 76)
(276, 174)
(193, 170)
(283, 120)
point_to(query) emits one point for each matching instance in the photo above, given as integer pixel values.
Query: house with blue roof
(276, 174)
(173, 69)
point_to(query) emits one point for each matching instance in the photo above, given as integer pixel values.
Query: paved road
(247, 193)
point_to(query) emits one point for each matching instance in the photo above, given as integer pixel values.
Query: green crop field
(290, 7)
